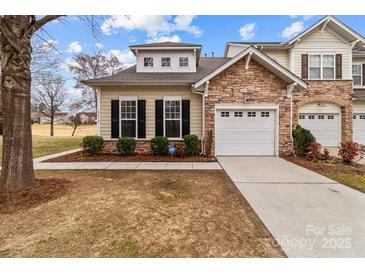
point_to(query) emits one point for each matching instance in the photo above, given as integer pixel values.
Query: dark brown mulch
(47, 190)
(333, 166)
(82, 156)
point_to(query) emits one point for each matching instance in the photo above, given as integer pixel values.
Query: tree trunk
(52, 122)
(17, 162)
(73, 132)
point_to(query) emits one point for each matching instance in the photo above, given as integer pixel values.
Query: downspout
(290, 95)
(204, 94)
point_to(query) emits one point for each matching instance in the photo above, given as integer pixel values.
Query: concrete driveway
(308, 214)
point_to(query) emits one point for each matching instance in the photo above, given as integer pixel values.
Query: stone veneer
(334, 91)
(257, 85)
(142, 146)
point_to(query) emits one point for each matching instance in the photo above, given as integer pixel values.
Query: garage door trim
(275, 108)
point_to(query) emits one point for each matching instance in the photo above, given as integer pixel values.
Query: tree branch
(41, 22)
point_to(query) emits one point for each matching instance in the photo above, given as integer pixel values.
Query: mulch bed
(82, 156)
(47, 190)
(334, 166)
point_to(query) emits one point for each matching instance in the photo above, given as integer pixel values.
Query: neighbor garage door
(245, 132)
(326, 128)
(358, 124)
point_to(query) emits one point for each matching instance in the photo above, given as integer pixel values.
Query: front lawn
(350, 175)
(105, 213)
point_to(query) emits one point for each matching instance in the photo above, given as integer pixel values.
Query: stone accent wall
(257, 85)
(334, 91)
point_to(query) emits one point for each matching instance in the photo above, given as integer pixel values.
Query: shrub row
(126, 145)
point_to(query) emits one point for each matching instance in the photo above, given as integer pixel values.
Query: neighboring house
(87, 117)
(59, 118)
(250, 99)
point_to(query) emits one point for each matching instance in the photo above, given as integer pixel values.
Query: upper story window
(321, 66)
(183, 61)
(165, 62)
(148, 62)
(357, 74)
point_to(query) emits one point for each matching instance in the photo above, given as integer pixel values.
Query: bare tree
(50, 95)
(16, 32)
(75, 109)
(87, 67)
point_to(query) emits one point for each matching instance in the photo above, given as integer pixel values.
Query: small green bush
(191, 143)
(159, 145)
(126, 146)
(209, 144)
(92, 144)
(302, 140)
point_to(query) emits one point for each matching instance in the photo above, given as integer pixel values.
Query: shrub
(314, 151)
(126, 146)
(326, 154)
(159, 145)
(349, 151)
(92, 144)
(209, 144)
(191, 143)
(302, 139)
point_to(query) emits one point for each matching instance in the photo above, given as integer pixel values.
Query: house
(250, 99)
(87, 117)
(59, 118)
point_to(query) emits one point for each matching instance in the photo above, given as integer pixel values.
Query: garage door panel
(358, 124)
(245, 135)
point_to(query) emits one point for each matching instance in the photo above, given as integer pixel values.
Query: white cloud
(247, 31)
(153, 25)
(162, 38)
(99, 45)
(304, 17)
(126, 57)
(48, 45)
(74, 47)
(292, 30)
(68, 61)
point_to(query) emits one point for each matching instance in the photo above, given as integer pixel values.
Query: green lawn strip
(46, 145)
(351, 180)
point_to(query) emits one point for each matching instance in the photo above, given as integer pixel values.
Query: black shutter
(159, 117)
(185, 117)
(304, 66)
(363, 74)
(115, 118)
(141, 118)
(338, 66)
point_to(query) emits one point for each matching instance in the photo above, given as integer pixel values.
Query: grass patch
(351, 180)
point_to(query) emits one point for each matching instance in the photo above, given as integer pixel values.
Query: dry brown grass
(63, 130)
(138, 214)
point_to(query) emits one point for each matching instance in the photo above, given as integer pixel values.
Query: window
(128, 115)
(265, 114)
(148, 62)
(357, 74)
(183, 61)
(311, 117)
(330, 117)
(224, 114)
(238, 114)
(321, 66)
(165, 62)
(320, 117)
(362, 117)
(172, 109)
(354, 117)
(301, 117)
(251, 114)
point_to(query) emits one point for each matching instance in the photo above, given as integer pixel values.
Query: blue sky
(212, 32)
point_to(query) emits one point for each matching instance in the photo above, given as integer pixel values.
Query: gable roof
(338, 26)
(262, 59)
(129, 76)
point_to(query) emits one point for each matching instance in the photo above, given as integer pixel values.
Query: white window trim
(162, 67)
(128, 98)
(153, 62)
(188, 61)
(361, 74)
(172, 98)
(321, 65)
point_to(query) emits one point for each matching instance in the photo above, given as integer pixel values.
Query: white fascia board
(277, 67)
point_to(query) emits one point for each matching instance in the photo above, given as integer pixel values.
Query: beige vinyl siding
(150, 94)
(325, 42)
(358, 60)
(358, 107)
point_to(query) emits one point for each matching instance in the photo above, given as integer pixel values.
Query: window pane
(328, 61)
(183, 61)
(172, 128)
(172, 109)
(328, 73)
(314, 73)
(165, 61)
(148, 62)
(314, 60)
(357, 80)
(128, 128)
(356, 70)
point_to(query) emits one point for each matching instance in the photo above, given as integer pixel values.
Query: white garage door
(358, 124)
(325, 127)
(245, 132)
